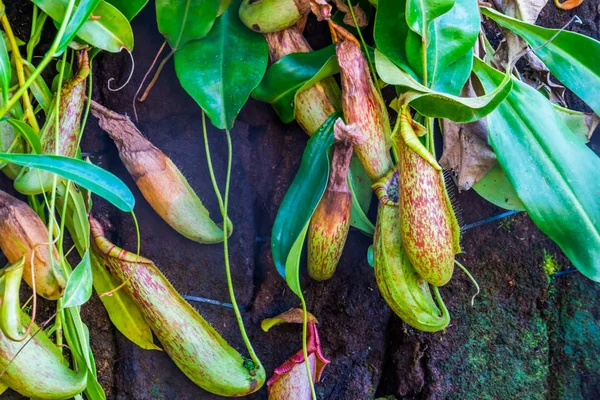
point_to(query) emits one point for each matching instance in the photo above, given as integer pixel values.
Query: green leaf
(80, 16)
(5, 72)
(495, 188)
(27, 132)
(110, 31)
(181, 21)
(421, 13)
(300, 202)
(581, 124)
(221, 70)
(123, 312)
(572, 58)
(79, 286)
(450, 49)
(292, 74)
(362, 194)
(39, 88)
(129, 8)
(371, 256)
(391, 31)
(440, 105)
(86, 175)
(556, 176)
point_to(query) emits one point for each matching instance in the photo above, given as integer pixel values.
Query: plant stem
(223, 205)
(43, 64)
(304, 352)
(29, 114)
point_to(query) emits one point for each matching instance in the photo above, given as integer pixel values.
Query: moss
(504, 356)
(550, 264)
(575, 339)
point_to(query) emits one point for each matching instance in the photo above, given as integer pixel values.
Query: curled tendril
(128, 78)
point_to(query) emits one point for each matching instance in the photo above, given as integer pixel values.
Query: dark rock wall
(527, 335)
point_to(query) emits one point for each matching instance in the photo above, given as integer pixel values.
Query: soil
(527, 335)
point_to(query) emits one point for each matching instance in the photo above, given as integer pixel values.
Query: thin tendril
(466, 271)
(223, 205)
(144, 79)
(128, 78)
(304, 347)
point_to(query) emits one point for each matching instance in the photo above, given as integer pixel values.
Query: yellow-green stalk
(363, 105)
(406, 293)
(267, 16)
(72, 96)
(315, 104)
(160, 181)
(430, 231)
(23, 234)
(195, 346)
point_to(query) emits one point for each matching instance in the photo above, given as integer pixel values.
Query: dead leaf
(361, 17)
(467, 153)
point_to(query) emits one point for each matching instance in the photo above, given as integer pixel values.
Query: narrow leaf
(79, 286)
(221, 70)
(572, 58)
(556, 175)
(28, 133)
(291, 74)
(80, 16)
(86, 175)
(300, 202)
(440, 105)
(5, 72)
(362, 194)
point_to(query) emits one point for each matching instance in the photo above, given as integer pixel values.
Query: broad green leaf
(181, 21)
(300, 202)
(5, 72)
(28, 133)
(391, 31)
(86, 175)
(362, 194)
(129, 8)
(109, 30)
(290, 75)
(450, 50)
(572, 58)
(221, 70)
(80, 16)
(421, 13)
(123, 312)
(79, 286)
(495, 188)
(556, 176)
(440, 105)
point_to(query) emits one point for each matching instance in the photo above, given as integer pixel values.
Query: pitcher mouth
(387, 188)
